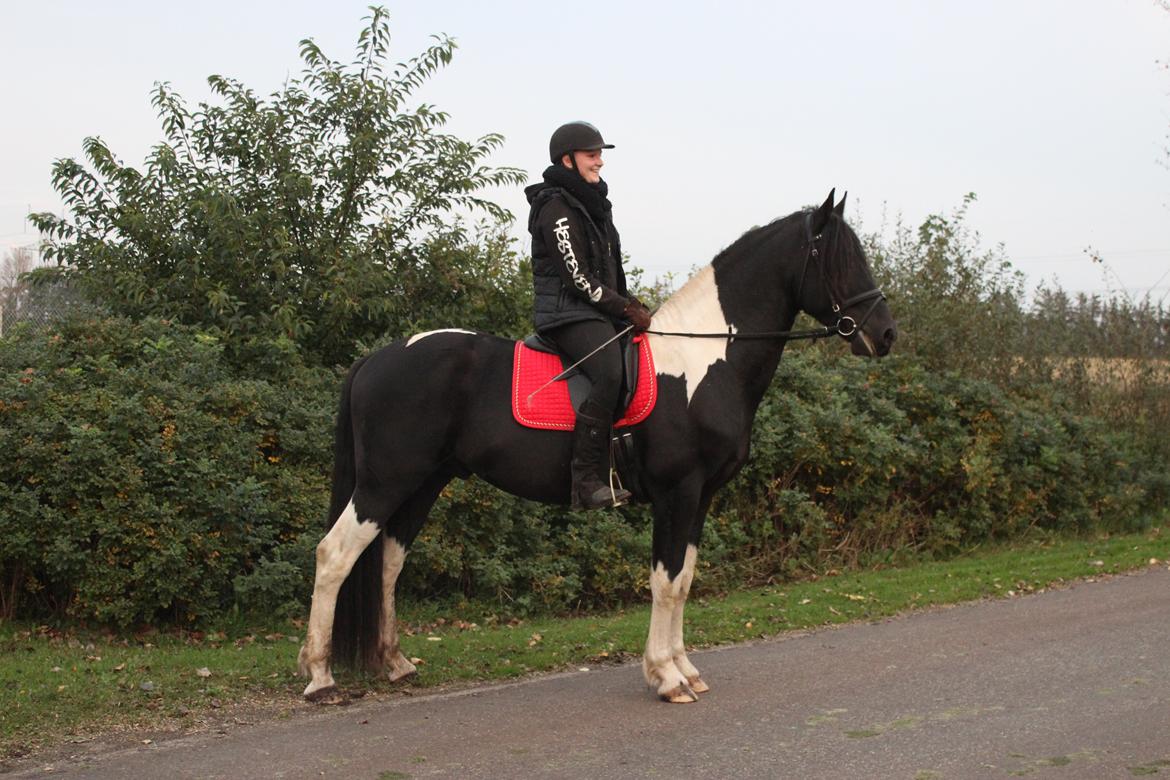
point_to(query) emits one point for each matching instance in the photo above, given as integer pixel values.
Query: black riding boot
(590, 464)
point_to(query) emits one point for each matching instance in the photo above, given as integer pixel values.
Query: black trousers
(578, 339)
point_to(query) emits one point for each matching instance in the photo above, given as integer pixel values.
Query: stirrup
(617, 496)
(621, 496)
(602, 498)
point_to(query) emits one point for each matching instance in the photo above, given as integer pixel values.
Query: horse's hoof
(697, 684)
(399, 676)
(680, 695)
(329, 695)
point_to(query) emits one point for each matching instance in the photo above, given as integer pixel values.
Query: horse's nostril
(890, 335)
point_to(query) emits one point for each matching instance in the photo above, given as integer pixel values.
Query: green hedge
(144, 481)
(856, 462)
(141, 477)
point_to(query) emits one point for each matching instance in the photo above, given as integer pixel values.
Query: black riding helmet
(575, 136)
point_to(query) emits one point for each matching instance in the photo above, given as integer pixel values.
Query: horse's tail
(356, 619)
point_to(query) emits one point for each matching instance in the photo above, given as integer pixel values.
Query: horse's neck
(764, 290)
(698, 308)
(695, 308)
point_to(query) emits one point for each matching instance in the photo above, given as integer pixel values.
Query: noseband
(846, 325)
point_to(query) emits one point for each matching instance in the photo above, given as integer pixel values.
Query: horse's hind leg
(401, 530)
(397, 665)
(336, 555)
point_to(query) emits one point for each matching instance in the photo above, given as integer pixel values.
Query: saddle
(537, 360)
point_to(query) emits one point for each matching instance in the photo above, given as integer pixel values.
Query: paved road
(1070, 683)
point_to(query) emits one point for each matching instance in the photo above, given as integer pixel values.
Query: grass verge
(60, 685)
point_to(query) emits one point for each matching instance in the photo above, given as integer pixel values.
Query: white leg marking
(693, 309)
(420, 336)
(678, 648)
(336, 555)
(397, 666)
(658, 664)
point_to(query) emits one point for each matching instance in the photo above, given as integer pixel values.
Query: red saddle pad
(551, 408)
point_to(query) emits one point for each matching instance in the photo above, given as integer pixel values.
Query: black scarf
(592, 196)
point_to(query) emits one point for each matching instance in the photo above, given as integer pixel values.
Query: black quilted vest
(553, 303)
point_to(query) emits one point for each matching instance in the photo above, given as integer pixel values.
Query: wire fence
(39, 306)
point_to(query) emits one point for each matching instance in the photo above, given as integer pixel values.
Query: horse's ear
(839, 209)
(821, 215)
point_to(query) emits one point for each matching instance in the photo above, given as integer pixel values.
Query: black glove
(637, 314)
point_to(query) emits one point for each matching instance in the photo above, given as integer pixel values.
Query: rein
(845, 326)
(819, 333)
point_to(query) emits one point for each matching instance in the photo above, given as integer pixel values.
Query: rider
(581, 299)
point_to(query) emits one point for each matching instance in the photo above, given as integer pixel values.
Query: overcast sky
(725, 114)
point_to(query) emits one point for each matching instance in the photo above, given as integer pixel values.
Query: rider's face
(588, 164)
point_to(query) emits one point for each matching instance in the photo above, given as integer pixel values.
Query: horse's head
(836, 286)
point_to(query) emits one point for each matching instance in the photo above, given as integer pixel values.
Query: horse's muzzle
(863, 344)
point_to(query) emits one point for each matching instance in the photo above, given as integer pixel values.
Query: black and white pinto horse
(424, 410)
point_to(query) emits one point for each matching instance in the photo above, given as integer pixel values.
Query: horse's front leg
(336, 555)
(673, 564)
(658, 664)
(678, 647)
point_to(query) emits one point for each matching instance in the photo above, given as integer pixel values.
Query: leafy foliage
(309, 215)
(853, 462)
(150, 482)
(962, 308)
(143, 476)
(958, 306)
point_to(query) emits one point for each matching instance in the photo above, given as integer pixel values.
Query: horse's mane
(674, 311)
(842, 251)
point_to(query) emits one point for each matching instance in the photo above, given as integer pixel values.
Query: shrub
(895, 455)
(142, 476)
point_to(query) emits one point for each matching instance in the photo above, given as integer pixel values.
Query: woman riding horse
(437, 406)
(581, 299)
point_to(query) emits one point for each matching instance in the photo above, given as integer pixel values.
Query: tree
(959, 305)
(17, 263)
(294, 217)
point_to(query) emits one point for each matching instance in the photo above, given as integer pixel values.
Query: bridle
(845, 326)
(876, 295)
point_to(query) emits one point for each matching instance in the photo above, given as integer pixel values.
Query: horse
(424, 410)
